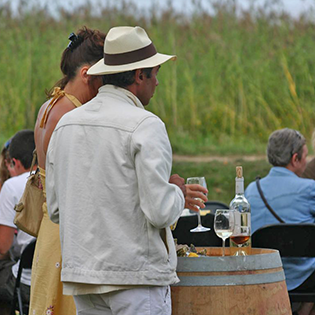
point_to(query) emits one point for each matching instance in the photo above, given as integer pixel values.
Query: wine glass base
(240, 253)
(200, 228)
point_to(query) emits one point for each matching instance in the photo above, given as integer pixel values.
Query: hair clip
(75, 41)
(7, 144)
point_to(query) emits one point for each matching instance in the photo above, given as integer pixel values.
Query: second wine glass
(240, 236)
(201, 181)
(224, 225)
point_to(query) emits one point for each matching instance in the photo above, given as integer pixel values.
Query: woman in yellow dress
(74, 89)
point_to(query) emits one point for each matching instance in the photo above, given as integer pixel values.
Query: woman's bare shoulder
(63, 106)
(53, 115)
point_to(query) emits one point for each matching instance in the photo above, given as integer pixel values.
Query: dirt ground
(223, 159)
(210, 158)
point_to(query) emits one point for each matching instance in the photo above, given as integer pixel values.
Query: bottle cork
(239, 171)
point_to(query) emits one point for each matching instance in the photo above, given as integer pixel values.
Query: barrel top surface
(217, 251)
(258, 260)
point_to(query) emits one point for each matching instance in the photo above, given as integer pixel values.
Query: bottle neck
(239, 186)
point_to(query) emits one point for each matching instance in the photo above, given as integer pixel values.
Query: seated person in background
(21, 154)
(6, 171)
(291, 197)
(310, 166)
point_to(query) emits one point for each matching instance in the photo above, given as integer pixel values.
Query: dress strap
(73, 99)
(57, 94)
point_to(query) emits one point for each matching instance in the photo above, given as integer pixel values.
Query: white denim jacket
(107, 171)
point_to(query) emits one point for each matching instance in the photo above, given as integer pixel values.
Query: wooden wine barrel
(231, 285)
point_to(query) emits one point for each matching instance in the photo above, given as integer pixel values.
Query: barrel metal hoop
(250, 279)
(229, 263)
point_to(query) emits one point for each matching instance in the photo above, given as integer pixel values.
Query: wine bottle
(240, 241)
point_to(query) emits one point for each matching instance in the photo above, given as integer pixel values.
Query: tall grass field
(238, 76)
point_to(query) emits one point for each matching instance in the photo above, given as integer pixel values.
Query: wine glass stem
(199, 218)
(223, 247)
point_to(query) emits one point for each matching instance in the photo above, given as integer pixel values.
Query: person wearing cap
(108, 186)
(13, 240)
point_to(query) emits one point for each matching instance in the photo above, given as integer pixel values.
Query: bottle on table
(240, 241)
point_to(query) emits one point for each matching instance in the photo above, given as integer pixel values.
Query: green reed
(237, 77)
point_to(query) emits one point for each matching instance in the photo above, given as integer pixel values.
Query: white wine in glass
(224, 225)
(201, 181)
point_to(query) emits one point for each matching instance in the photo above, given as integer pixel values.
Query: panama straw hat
(128, 48)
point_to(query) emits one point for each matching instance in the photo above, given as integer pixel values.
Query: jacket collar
(123, 93)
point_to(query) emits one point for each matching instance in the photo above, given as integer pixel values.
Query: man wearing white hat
(109, 187)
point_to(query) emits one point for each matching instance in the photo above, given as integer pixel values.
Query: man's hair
(22, 146)
(124, 79)
(282, 144)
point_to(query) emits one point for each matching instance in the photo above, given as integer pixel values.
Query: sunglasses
(12, 163)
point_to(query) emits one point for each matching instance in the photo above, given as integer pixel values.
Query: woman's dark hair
(4, 172)
(124, 79)
(86, 47)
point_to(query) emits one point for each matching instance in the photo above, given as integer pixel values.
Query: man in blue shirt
(291, 197)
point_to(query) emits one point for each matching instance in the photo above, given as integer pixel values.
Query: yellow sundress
(46, 287)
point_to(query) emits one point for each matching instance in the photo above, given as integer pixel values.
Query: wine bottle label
(240, 240)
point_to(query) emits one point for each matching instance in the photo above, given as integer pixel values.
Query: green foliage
(238, 77)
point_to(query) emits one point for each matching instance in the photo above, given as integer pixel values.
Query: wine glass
(240, 236)
(201, 181)
(224, 225)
